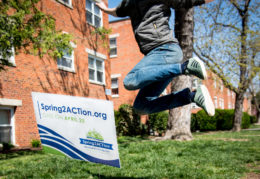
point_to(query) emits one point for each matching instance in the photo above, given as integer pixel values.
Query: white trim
(115, 75)
(115, 95)
(114, 35)
(93, 14)
(72, 69)
(10, 102)
(94, 53)
(12, 123)
(65, 4)
(96, 58)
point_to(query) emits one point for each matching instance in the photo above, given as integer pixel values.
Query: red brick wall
(32, 74)
(128, 55)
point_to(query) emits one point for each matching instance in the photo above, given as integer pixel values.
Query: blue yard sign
(81, 128)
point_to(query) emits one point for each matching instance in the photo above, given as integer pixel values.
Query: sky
(111, 4)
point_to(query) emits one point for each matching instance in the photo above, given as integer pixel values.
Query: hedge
(223, 120)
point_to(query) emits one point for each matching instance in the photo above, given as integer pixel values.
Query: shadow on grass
(13, 154)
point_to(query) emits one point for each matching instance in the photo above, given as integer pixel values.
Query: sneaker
(196, 67)
(202, 99)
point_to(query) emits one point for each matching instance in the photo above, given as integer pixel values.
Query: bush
(245, 121)
(158, 122)
(205, 122)
(36, 143)
(223, 120)
(253, 119)
(128, 121)
(7, 146)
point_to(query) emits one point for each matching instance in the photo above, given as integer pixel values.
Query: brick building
(124, 54)
(85, 72)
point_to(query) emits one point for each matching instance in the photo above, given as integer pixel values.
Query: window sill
(115, 96)
(66, 69)
(67, 5)
(113, 56)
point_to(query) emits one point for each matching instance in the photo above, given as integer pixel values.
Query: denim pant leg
(161, 63)
(148, 102)
(152, 75)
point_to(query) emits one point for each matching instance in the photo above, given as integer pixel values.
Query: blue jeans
(152, 75)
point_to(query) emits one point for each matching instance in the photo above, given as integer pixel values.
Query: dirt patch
(232, 139)
(252, 176)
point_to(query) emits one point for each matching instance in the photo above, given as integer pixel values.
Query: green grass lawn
(209, 155)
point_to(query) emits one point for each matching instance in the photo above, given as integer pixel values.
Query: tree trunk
(238, 112)
(179, 119)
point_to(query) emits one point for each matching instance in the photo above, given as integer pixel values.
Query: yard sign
(81, 128)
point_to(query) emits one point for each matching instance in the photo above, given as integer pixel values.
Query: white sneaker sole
(204, 72)
(210, 108)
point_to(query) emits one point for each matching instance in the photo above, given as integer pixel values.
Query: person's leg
(161, 63)
(147, 100)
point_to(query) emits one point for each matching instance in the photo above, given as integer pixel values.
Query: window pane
(112, 42)
(89, 17)
(114, 83)
(91, 74)
(115, 91)
(99, 65)
(91, 62)
(88, 5)
(113, 51)
(67, 62)
(5, 134)
(5, 117)
(66, 1)
(97, 21)
(100, 76)
(96, 10)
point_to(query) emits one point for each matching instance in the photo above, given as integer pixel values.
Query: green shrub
(205, 122)
(253, 119)
(158, 121)
(128, 121)
(223, 120)
(36, 143)
(7, 146)
(245, 121)
(194, 123)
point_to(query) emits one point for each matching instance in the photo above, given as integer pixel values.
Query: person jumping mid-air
(163, 56)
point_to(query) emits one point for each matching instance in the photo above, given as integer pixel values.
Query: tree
(179, 120)
(25, 28)
(227, 39)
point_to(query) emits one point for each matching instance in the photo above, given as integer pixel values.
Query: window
(215, 83)
(12, 58)
(113, 47)
(114, 87)
(96, 70)
(229, 105)
(93, 14)
(66, 62)
(216, 101)
(66, 2)
(6, 125)
(221, 103)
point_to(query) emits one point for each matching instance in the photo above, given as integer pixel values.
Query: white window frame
(114, 95)
(95, 81)
(112, 47)
(66, 4)
(12, 123)
(72, 68)
(92, 11)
